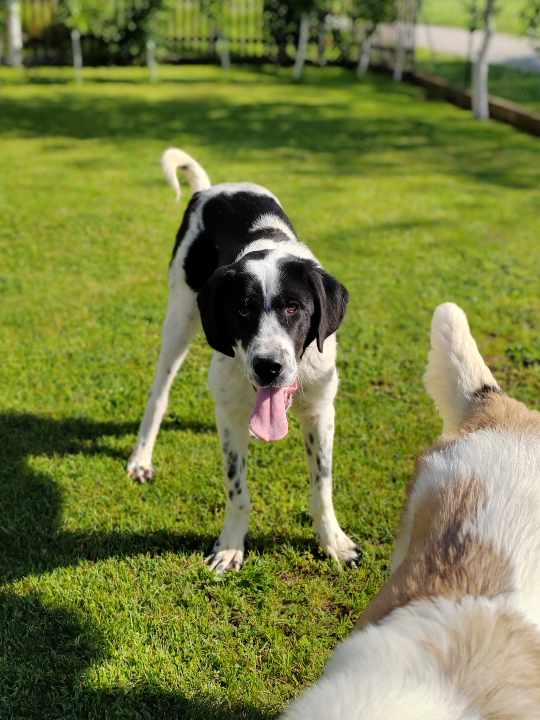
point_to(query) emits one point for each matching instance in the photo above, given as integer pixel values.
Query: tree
(406, 13)
(126, 29)
(282, 23)
(480, 93)
(14, 33)
(472, 8)
(214, 11)
(306, 10)
(81, 17)
(372, 13)
(531, 21)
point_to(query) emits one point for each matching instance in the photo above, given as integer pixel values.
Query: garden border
(499, 109)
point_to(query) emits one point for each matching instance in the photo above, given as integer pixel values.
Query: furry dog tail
(172, 159)
(456, 373)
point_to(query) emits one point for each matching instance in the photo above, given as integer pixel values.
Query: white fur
(386, 672)
(455, 367)
(271, 340)
(272, 222)
(172, 159)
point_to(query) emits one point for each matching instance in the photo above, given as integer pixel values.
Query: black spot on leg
(311, 438)
(318, 462)
(231, 494)
(308, 450)
(232, 459)
(317, 479)
(239, 491)
(237, 484)
(243, 462)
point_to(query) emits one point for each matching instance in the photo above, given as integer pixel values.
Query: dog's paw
(222, 561)
(139, 472)
(341, 548)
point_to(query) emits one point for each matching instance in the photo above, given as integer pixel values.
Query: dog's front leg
(233, 408)
(317, 422)
(181, 324)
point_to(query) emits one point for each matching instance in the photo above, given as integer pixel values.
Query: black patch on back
(226, 219)
(185, 222)
(201, 260)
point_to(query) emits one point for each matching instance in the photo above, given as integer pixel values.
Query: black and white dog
(270, 312)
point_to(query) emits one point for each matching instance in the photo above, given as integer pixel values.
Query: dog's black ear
(211, 301)
(330, 298)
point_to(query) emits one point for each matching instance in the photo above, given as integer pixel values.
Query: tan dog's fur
(456, 628)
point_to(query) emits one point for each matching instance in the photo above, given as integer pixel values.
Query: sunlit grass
(107, 610)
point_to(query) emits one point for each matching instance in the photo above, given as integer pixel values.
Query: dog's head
(269, 307)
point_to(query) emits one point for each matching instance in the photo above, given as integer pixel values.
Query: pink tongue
(269, 419)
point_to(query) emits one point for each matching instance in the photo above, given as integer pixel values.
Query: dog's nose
(266, 369)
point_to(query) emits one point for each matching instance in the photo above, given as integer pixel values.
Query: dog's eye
(244, 311)
(291, 308)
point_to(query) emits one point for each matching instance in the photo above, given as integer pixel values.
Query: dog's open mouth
(269, 419)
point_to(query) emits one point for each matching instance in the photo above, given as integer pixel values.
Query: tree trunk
(14, 34)
(401, 50)
(151, 63)
(301, 51)
(321, 43)
(222, 49)
(365, 51)
(480, 94)
(469, 63)
(76, 52)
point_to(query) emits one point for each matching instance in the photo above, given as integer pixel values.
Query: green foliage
(282, 21)
(375, 11)
(106, 608)
(531, 18)
(86, 16)
(123, 27)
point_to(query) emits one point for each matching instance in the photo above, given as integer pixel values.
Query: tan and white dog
(454, 634)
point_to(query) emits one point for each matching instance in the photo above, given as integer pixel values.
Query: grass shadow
(31, 538)
(44, 655)
(346, 141)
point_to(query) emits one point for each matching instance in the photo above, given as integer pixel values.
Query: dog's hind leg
(181, 323)
(456, 372)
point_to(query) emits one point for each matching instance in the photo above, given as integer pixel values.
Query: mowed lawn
(509, 17)
(106, 607)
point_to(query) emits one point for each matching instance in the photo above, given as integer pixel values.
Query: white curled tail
(456, 371)
(172, 159)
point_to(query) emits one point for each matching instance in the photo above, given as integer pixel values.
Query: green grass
(106, 607)
(454, 13)
(506, 82)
